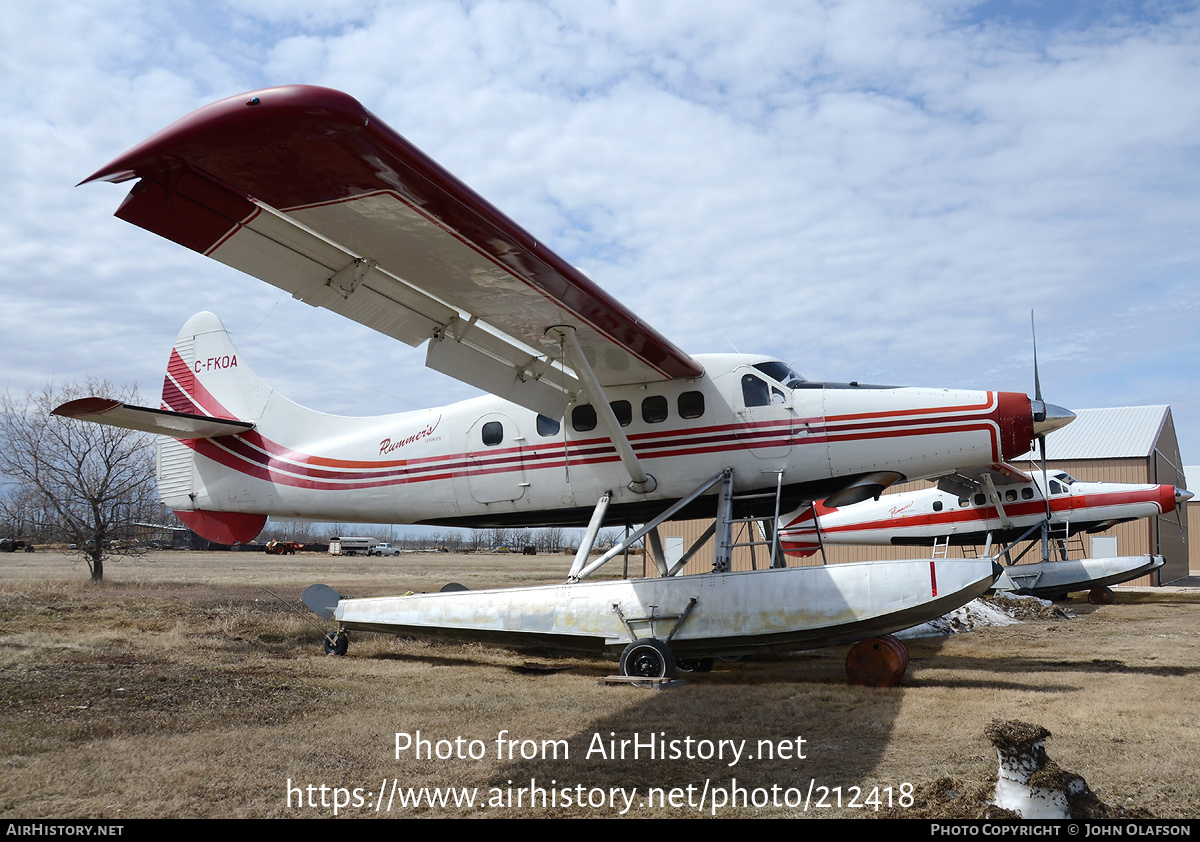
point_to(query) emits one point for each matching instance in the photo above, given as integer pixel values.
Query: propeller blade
(1037, 382)
(1182, 495)
(1041, 409)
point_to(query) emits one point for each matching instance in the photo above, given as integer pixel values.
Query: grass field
(182, 688)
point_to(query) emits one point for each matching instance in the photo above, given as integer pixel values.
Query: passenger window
(755, 392)
(1011, 495)
(654, 409)
(980, 499)
(1027, 493)
(937, 505)
(547, 426)
(963, 502)
(493, 433)
(583, 418)
(691, 404)
(624, 412)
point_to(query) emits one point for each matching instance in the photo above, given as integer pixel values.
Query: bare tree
(548, 539)
(607, 539)
(95, 482)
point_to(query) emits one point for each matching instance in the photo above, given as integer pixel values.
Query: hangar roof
(1121, 432)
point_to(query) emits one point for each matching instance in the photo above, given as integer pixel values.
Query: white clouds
(878, 190)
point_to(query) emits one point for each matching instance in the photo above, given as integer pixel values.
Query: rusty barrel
(877, 662)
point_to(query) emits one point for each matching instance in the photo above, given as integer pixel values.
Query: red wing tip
(85, 406)
(242, 118)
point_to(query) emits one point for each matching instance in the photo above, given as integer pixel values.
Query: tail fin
(206, 377)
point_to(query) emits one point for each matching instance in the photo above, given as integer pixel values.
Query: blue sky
(878, 191)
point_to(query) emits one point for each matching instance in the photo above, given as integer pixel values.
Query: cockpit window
(755, 392)
(781, 372)
(1064, 478)
(1055, 488)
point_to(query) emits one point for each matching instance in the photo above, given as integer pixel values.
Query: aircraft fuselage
(917, 518)
(488, 462)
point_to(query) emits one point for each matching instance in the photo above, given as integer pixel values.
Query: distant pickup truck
(352, 546)
(384, 549)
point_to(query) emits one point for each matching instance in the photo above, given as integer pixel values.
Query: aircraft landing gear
(336, 643)
(877, 662)
(695, 664)
(647, 658)
(1100, 596)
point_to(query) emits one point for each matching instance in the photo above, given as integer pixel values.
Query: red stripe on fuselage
(1024, 508)
(263, 458)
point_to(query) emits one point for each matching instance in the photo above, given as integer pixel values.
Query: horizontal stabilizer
(180, 425)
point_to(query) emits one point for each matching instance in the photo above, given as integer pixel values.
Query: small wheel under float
(1100, 596)
(648, 658)
(695, 664)
(336, 643)
(877, 662)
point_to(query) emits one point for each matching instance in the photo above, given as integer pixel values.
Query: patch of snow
(975, 614)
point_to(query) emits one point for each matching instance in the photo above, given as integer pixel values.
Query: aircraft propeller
(1047, 418)
(1182, 495)
(1039, 404)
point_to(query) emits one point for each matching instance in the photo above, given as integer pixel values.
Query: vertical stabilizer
(205, 376)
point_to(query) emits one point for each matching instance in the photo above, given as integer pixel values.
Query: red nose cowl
(1016, 424)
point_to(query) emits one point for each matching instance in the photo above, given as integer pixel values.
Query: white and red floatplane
(592, 416)
(1004, 505)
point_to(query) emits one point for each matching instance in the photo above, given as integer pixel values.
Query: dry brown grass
(180, 688)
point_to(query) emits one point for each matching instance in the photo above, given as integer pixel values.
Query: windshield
(782, 373)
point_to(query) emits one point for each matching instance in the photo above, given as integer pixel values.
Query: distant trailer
(351, 546)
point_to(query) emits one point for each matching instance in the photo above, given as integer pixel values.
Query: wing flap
(514, 380)
(966, 481)
(278, 250)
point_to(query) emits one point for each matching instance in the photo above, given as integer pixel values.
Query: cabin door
(765, 418)
(495, 459)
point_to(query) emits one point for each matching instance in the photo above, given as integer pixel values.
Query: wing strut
(994, 497)
(640, 481)
(649, 527)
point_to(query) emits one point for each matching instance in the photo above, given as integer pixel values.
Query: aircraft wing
(304, 188)
(966, 481)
